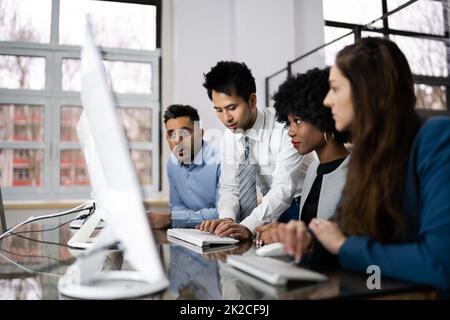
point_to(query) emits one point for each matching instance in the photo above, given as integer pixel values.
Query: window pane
(421, 16)
(20, 167)
(21, 122)
(22, 72)
(69, 120)
(431, 97)
(143, 162)
(118, 25)
(126, 77)
(73, 168)
(25, 20)
(130, 77)
(137, 124)
(426, 57)
(331, 34)
(71, 75)
(353, 11)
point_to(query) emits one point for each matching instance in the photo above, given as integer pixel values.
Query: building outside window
(40, 42)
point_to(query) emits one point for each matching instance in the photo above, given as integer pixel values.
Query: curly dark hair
(230, 77)
(302, 95)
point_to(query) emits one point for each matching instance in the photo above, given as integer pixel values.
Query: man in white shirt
(254, 144)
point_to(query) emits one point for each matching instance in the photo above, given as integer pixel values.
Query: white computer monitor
(83, 228)
(119, 196)
(81, 239)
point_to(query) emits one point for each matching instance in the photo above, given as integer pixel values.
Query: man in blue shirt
(193, 170)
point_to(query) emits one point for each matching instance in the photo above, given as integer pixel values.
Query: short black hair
(302, 95)
(230, 77)
(181, 110)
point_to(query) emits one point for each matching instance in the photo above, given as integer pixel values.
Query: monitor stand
(81, 239)
(77, 224)
(86, 280)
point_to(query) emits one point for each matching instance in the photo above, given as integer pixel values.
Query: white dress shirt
(280, 170)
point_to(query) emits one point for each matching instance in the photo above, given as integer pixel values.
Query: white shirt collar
(255, 132)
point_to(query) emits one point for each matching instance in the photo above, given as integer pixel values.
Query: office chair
(2, 214)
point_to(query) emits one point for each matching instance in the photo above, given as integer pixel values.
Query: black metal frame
(3, 226)
(158, 5)
(356, 29)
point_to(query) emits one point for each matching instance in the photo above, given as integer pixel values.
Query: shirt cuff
(227, 214)
(251, 222)
(179, 218)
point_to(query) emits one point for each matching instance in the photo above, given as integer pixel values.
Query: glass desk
(34, 258)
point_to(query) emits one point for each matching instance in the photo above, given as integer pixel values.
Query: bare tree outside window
(20, 22)
(33, 107)
(426, 56)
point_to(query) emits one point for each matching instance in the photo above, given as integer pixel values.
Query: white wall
(264, 37)
(309, 25)
(262, 33)
(258, 32)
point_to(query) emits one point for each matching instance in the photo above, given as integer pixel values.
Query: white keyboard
(272, 270)
(204, 249)
(199, 238)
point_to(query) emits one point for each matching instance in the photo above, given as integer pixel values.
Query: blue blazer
(424, 255)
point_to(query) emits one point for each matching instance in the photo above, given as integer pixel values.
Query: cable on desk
(82, 217)
(41, 241)
(54, 215)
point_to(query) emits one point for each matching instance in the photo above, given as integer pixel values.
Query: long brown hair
(383, 129)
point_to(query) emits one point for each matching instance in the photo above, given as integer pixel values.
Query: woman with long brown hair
(395, 207)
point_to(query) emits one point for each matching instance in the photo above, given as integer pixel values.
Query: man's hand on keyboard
(211, 225)
(233, 229)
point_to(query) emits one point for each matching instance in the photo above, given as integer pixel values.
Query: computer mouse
(271, 250)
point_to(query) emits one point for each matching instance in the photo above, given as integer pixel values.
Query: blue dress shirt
(194, 188)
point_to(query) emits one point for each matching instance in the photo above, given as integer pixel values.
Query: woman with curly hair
(395, 208)
(299, 104)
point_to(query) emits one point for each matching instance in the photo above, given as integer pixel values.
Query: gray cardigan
(330, 192)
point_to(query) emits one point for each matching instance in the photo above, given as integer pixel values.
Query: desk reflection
(191, 276)
(21, 288)
(194, 275)
(32, 262)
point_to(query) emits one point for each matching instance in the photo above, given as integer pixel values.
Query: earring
(325, 137)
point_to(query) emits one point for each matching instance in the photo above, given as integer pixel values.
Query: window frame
(52, 98)
(387, 31)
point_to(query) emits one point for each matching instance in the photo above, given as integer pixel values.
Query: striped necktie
(247, 182)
